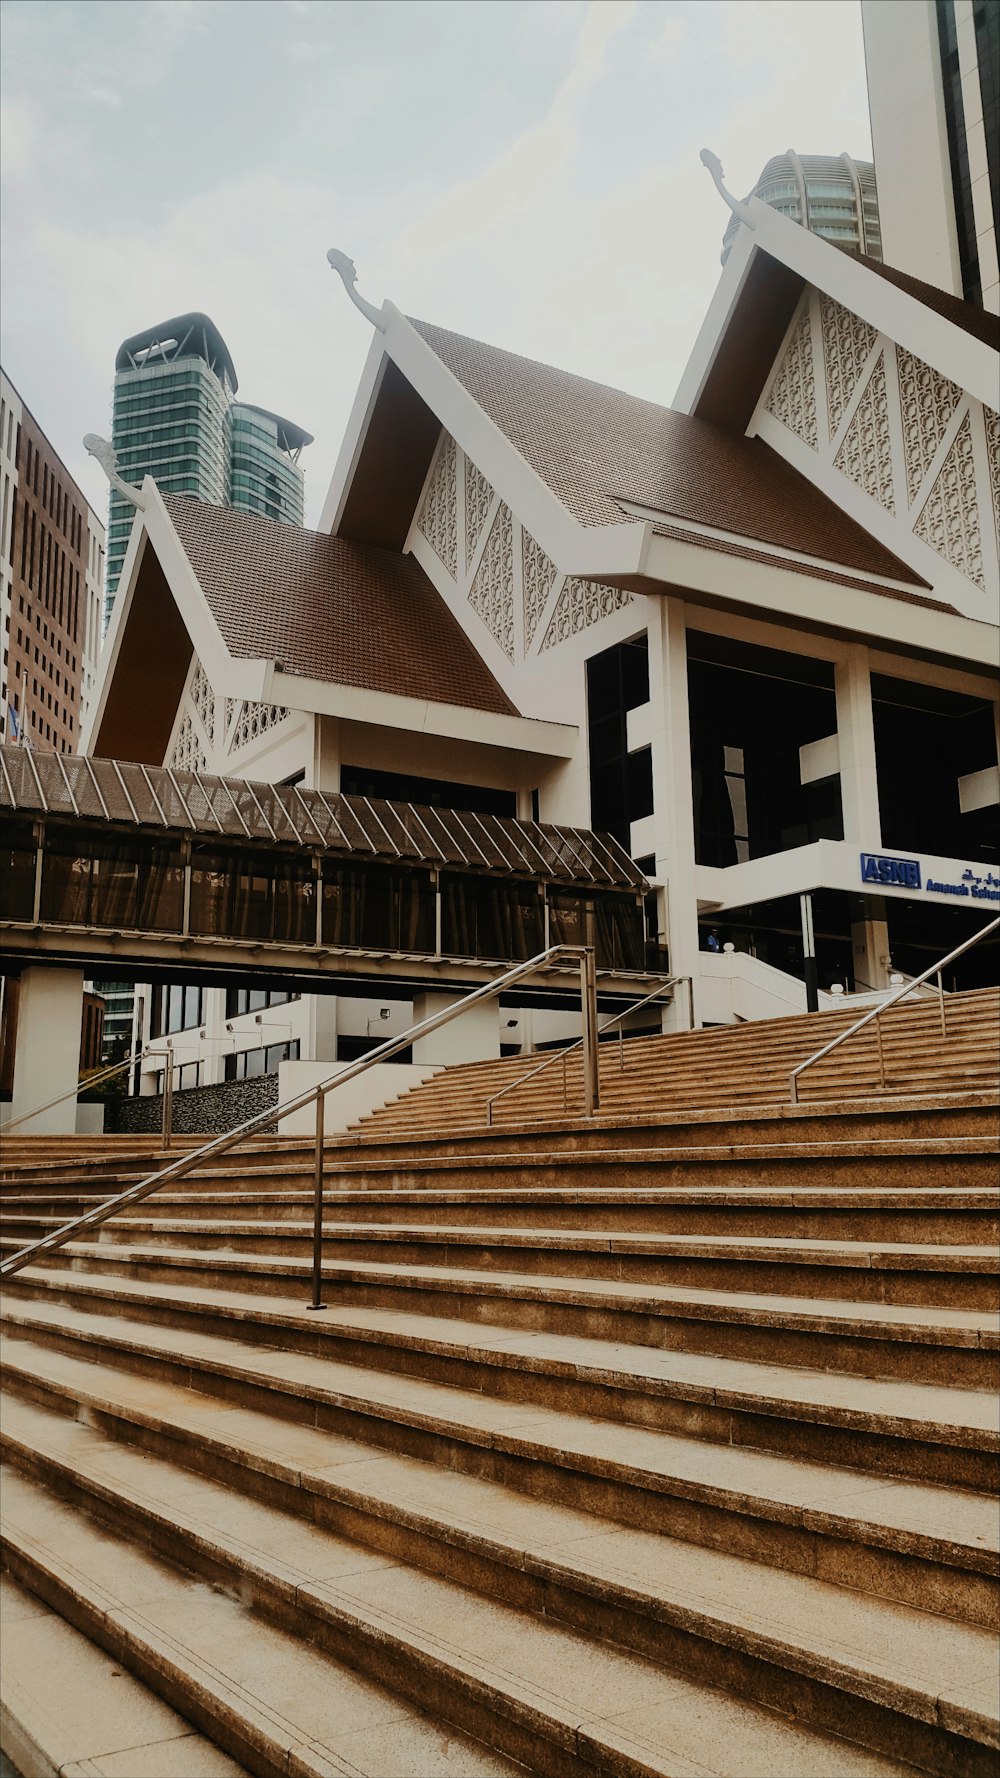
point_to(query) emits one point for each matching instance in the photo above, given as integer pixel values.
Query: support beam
(47, 1060)
(856, 746)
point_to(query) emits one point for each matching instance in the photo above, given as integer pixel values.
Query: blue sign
(890, 873)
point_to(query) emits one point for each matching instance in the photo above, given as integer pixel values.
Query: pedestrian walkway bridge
(141, 867)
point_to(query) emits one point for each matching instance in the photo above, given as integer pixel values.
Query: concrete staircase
(660, 1445)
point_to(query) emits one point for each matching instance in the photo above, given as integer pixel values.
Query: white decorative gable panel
(188, 754)
(203, 699)
(248, 721)
(507, 579)
(492, 591)
(582, 603)
(866, 453)
(793, 394)
(538, 576)
(847, 342)
(439, 513)
(927, 403)
(875, 414)
(949, 519)
(478, 500)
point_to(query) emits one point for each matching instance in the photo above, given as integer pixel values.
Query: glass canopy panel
(390, 817)
(288, 822)
(354, 830)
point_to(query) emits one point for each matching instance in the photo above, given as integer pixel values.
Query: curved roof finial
(714, 165)
(107, 457)
(344, 266)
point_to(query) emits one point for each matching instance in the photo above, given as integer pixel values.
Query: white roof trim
(380, 709)
(792, 593)
(152, 527)
(903, 318)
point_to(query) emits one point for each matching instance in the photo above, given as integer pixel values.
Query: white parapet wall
(344, 1105)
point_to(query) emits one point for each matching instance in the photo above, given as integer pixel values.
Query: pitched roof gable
(329, 609)
(600, 451)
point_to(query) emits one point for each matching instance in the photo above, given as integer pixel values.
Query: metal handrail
(82, 1085)
(561, 1054)
(582, 954)
(876, 1012)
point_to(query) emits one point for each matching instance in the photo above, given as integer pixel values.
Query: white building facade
(754, 636)
(932, 94)
(10, 420)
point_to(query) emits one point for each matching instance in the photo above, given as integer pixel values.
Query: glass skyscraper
(177, 419)
(833, 197)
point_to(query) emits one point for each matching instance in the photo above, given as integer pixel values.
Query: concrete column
(326, 753)
(870, 946)
(472, 1036)
(673, 800)
(856, 736)
(322, 1040)
(47, 1062)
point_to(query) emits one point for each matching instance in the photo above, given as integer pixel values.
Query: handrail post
(944, 1016)
(881, 1055)
(167, 1125)
(591, 1064)
(317, 1263)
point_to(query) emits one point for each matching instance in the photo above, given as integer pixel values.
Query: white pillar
(472, 1036)
(856, 739)
(47, 1060)
(673, 798)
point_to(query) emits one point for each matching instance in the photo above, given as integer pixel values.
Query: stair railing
(583, 955)
(93, 1080)
(875, 1013)
(560, 1055)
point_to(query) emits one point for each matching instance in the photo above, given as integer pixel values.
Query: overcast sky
(525, 171)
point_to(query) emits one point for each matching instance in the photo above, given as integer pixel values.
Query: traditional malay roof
(330, 609)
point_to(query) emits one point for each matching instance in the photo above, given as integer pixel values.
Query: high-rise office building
(52, 558)
(832, 196)
(934, 96)
(176, 418)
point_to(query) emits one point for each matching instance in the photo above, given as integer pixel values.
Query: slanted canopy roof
(122, 793)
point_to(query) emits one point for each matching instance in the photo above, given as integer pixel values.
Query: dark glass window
(497, 917)
(958, 155)
(434, 793)
(926, 739)
(17, 870)
(177, 1006)
(373, 907)
(249, 1063)
(752, 710)
(243, 894)
(243, 1000)
(97, 879)
(621, 783)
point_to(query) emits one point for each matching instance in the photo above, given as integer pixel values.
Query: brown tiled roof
(341, 612)
(595, 447)
(968, 316)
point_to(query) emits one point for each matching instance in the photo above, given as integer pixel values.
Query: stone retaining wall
(199, 1111)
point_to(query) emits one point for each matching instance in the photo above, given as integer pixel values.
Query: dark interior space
(621, 783)
(925, 740)
(751, 711)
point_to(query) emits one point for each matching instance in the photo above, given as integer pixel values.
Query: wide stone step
(923, 1345)
(875, 1676)
(948, 1214)
(70, 1708)
(890, 1538)
(963, 1276)
(928, 1434)
(276, 1703)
